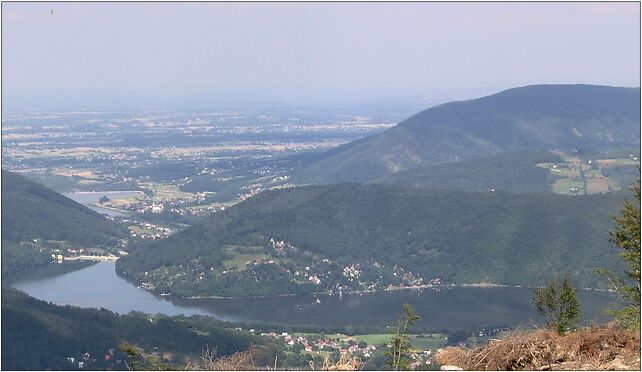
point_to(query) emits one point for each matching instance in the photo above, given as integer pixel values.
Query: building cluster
(351, 272)
(281, 247)
(316, 343)
(253, 190)
(147, 230)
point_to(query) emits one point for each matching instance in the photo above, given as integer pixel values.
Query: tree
(399, 349)
(558, 303)
(626, 236)
(132, 353)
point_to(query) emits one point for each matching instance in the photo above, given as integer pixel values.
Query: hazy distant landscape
(296, 187)
(226, 213)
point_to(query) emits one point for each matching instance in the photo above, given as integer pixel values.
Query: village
(355, 346)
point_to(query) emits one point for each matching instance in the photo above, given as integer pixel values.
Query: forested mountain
(513, 171)
(356, 237)
(578, 117)
(37, 335)
(31, 211)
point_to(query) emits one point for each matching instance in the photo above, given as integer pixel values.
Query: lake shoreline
(450, 306)
(403, 288)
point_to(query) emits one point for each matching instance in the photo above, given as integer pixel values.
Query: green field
(419, 342)
(374, 339)
(239, 256)
(563, 186)
(617, 161)
(428, 341)
(568, 174)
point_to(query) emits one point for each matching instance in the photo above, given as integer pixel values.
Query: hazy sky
(296, 49)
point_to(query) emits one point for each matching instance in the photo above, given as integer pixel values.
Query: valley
(226, 222)
(320, 186)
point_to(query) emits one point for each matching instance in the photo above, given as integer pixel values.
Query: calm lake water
(91, 197)
(457, 308)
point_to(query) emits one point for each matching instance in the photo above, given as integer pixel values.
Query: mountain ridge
(583, 117)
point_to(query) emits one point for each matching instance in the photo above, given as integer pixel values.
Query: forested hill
(34, 218)
(32, 211)
(568, 117)
(37, 336)
(389, 235)
(514, 171)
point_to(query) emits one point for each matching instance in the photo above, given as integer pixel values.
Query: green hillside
(37, 335)
(357, 237)
(31, 212)
(513, 171)
(580, 117)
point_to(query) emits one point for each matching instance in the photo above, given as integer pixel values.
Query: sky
(290, 51)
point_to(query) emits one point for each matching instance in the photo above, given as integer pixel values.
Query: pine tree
(558, 303)
(399, 350)
(626, 236)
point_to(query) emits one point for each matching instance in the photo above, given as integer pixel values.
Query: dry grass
(241, 361)
(605, 348)
(345, 363)
(249, 361)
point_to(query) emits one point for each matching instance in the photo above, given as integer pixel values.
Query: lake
(457, 308)
(88, 198)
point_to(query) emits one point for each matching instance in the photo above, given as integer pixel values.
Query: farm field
(578, 176)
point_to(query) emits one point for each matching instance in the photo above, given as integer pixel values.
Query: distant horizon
(135, 99)
(313, 52)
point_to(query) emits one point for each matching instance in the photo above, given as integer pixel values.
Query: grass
(297, 334)
(600, 185)
(596, 182)
(165, 191)
(239, 256)
(618, 161)
(563, 186)
(212, 205)
(428, 342)
(69, 172)
(374, 338)
(240, 261)
(419, 341)
(142, 229)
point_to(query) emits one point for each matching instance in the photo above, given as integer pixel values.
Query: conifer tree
(558, 303)
(626, 237)
(399, 350)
